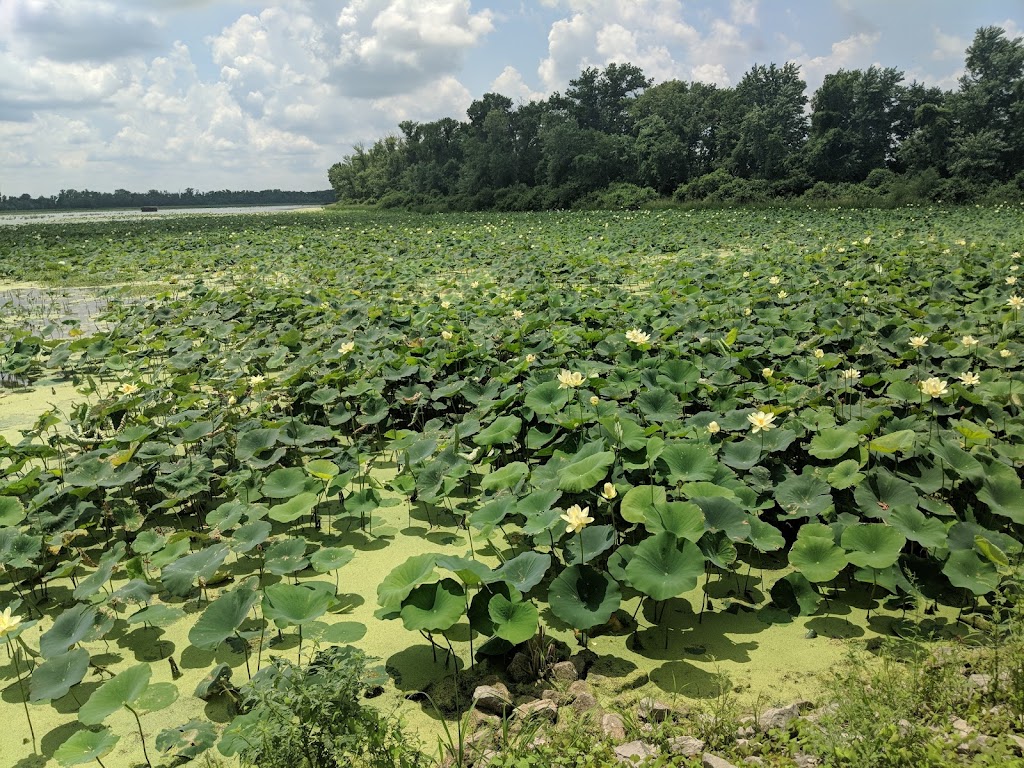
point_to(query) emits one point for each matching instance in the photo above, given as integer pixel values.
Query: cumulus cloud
(392, 47)
(76, 30)
(854, 52)
(510, 83)
(658, 36)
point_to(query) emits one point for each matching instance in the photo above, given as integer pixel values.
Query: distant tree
(857, 122)
(768, 111)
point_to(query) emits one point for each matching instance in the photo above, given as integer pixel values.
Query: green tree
(768, 108)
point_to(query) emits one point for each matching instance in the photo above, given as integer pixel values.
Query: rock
(961, 726)
(979, 681)
(584, 702)
(778, 718)
(753, 760)
(1017, 741)
(493, 699)
(556, 696)
(564, 672)
(688, 746)
(520, 669)
(635, 752)
(539, 708)
(613, 726)
(654, 711)
(744, 732)
(803, 760)
(596, 679)
(714, 761)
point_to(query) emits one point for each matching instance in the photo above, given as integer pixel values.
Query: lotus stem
(142, 737)
(16, 652)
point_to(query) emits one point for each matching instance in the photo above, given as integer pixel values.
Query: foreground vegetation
(590, 424)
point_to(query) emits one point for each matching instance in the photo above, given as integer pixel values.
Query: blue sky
(216, 94)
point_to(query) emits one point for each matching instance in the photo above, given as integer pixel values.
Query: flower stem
(16, 652)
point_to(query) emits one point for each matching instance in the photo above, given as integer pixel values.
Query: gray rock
(654, 711)
(613, 726)
(804, 760)
(635, 752)
(564, 672)
(779, 717)
(538, 708)
(520, 669)
(961, 726)
(688, 746)
(753, 760)
(1018, 743)
(556, 696)
(493, 699)
(584, 702)
(714, 761)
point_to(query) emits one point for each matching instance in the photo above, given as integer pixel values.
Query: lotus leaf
(405, 577)
(833, 443)
(515, 622)
(179, 577)
(583, 597)
(524, 571)
(816, 557)
(664, 566)
(123, 689)
(588, 467)
(222, 617)
(434, 607)
(686, 462)
(55, 677)
(966, 570)
(501, 431)
(86, 746)
(187, 741)
(873, 545)
(296, 604)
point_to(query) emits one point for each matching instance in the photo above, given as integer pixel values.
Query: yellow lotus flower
(532, 358)
(774, 280)
(934, 387)
(1004, 353)
(446, 305)
(594, 400)
(570, 379)
(783, 294)
(1015, 302)
(851, 374)
(867, 240)
(446, 335)
(761, 421)
(517, 314)
(819, 353)
(576, 519)
(968, 341)
(128, 389)
(767, 373)
(255, 381)
(475, 284)
(608, 492)
(347, 347)
(713, 428)
(969, 379)
(638, 337)
(918, 341)
(747, 312)
(8, 621)
(1011, 280)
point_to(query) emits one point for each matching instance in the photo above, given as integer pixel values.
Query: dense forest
(74, 199)
(615, 139)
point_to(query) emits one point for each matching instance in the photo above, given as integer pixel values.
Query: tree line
(615, 139)
(74, 199)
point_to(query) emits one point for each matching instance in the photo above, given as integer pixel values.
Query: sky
(234, 94)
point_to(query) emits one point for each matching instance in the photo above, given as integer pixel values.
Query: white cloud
(854, 52)
(743, 11)
(76, 30)
(948, 46)
(510, 83)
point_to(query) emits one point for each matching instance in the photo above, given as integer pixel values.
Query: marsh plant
(313, 716)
